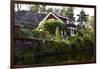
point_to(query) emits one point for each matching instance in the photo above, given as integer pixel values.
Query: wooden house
(70, 24)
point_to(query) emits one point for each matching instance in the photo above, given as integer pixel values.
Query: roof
(46, 17)
(62, 19)
(71, 25)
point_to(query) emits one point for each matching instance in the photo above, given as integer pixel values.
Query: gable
(49, 16)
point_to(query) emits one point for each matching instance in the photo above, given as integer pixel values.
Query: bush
(24, 33)
(42, 52)
(60, 46)
(51, 25)
(35, 33)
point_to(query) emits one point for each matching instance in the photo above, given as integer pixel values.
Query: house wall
(72, 31)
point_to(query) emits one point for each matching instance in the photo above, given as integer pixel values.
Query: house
(35, 20)
(70, 24)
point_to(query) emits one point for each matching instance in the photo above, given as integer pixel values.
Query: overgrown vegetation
(52, 52)
(47, 45)
(78, 48)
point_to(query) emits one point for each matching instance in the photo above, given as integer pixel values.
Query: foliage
(35, 33)
(83, 38)
(42, 35)
(76, 42)
(57, 34)
(50, 10)
(18, 7)
(35, 8)
(89, 37)
(91, 21)
(50, 47)
(56, 10)
(70, 13)
(24, 33)
(82, 17)
(46, 52)
(51, 25)
(43, 8)
(63, 11)
(60, 46)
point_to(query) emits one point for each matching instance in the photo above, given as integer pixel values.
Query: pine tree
(82, 17)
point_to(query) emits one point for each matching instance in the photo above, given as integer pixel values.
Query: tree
(63, 10)
(18, 7)
(70, 13)
(43, 8)
(35, 8)
(56, 10)
(49, 10)
(87, 34)
(91, 21)
(82, 17)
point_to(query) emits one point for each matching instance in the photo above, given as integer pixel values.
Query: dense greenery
(24, 33)
(51, 25)
(35, 8)
(48, 45)
(82, 17)
(53, 51)
(78, 48)
(70, 13)
(50, 29)
(39, 34)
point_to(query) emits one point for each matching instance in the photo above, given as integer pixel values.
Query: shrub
(51, 25)
(35, 33)
(24, 33)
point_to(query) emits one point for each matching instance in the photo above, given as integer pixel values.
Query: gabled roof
(62, 19)
(53, 15)
(41, 23)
